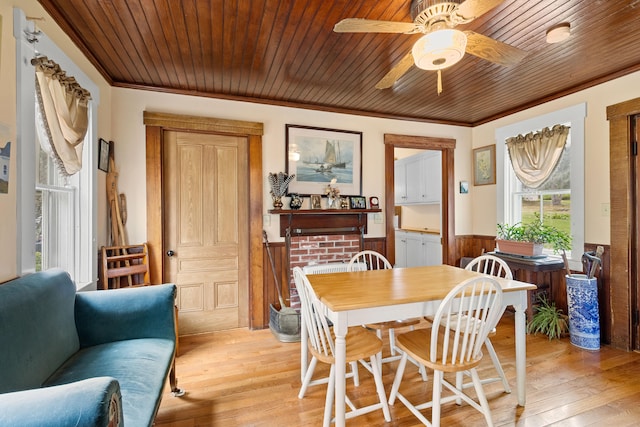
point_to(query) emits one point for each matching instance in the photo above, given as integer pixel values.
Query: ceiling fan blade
(471, 9)
(492, 50)
(356, 25)
(396, 72)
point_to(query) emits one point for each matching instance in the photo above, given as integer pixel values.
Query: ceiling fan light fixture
(439, 49)
(559, 33)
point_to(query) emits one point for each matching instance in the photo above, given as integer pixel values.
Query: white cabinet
(432, 249)
(417, 249)
(418, 179)
(401, 249)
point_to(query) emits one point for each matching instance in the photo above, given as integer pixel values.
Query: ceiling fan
(442, 45)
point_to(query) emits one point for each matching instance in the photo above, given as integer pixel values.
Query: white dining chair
(453, 344)
(360, 344)
(493, 266)
(332, 267)
(372, 260)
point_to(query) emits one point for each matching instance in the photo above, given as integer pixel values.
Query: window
(55, 201)
(57, 216)
(560, 200)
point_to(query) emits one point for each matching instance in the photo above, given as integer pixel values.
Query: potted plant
(548, 320)
(529, 239)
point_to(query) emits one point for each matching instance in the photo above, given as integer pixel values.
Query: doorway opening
(447, 219)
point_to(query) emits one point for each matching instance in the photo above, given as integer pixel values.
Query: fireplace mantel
(313, 222)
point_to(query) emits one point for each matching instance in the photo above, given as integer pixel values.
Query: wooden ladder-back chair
(360, 344)
(453, 344)
(372, 260)
(123, 266)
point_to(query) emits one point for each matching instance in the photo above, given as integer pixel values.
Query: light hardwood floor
(248, 378)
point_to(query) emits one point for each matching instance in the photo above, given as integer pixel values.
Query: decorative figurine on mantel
(333, 194)
(279, 183)
(296, 201)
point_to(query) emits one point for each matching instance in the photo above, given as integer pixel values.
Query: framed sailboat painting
(317, 156)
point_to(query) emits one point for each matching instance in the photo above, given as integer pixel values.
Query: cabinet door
(432, 178)
(401, 249)
(415, 250)
(414, 174)
(400, 182)
(432, 250)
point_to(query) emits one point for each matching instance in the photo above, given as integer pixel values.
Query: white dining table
(372, 296)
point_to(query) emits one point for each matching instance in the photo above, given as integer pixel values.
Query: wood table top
(378, 288)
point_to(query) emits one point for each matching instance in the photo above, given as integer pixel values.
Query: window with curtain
(57, 202)
(551, 182)
(541, 164)
(61, 107)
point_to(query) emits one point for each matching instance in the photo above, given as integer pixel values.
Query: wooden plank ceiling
(285, 52)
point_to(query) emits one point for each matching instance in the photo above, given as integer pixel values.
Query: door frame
(624, 209)
(155, 125)
(446, 146)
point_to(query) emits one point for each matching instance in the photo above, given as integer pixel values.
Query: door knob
(170, 253)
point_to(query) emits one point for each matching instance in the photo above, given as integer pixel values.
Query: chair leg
(377, 376)
(356, 376)
(307, 377)
(328, 403)
(398, 379)
(486, 411)
(392, 340)
(459, 385)
(437, 392)
(497, 365)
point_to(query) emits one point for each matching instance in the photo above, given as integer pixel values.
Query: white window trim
(86, 228)
(576, 116)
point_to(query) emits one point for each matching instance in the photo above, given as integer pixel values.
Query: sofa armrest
(91, 402)
(123, 314)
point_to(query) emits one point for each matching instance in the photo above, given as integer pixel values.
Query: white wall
(597, 181)
(129, 136)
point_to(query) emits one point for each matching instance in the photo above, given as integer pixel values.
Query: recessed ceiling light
(559, 33)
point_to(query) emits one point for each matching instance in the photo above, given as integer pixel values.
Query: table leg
(521, 348)
(340, 330)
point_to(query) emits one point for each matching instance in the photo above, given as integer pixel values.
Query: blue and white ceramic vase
(584, 316)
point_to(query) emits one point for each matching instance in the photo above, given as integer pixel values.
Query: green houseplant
(548, 320)
(532, 236)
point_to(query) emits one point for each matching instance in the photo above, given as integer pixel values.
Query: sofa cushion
(37, 327)
(140, 366)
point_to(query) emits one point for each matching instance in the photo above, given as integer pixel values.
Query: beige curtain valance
(62, 115)
(534, 156)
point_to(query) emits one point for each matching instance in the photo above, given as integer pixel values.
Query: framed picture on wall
(103, 155)
(484, 165)
(318, 155)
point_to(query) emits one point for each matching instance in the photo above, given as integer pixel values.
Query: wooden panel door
(206, 234)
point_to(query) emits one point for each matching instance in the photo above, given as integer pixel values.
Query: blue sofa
(96, 358)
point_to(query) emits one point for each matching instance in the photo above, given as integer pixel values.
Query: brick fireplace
(321, 237)
(319, 249)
